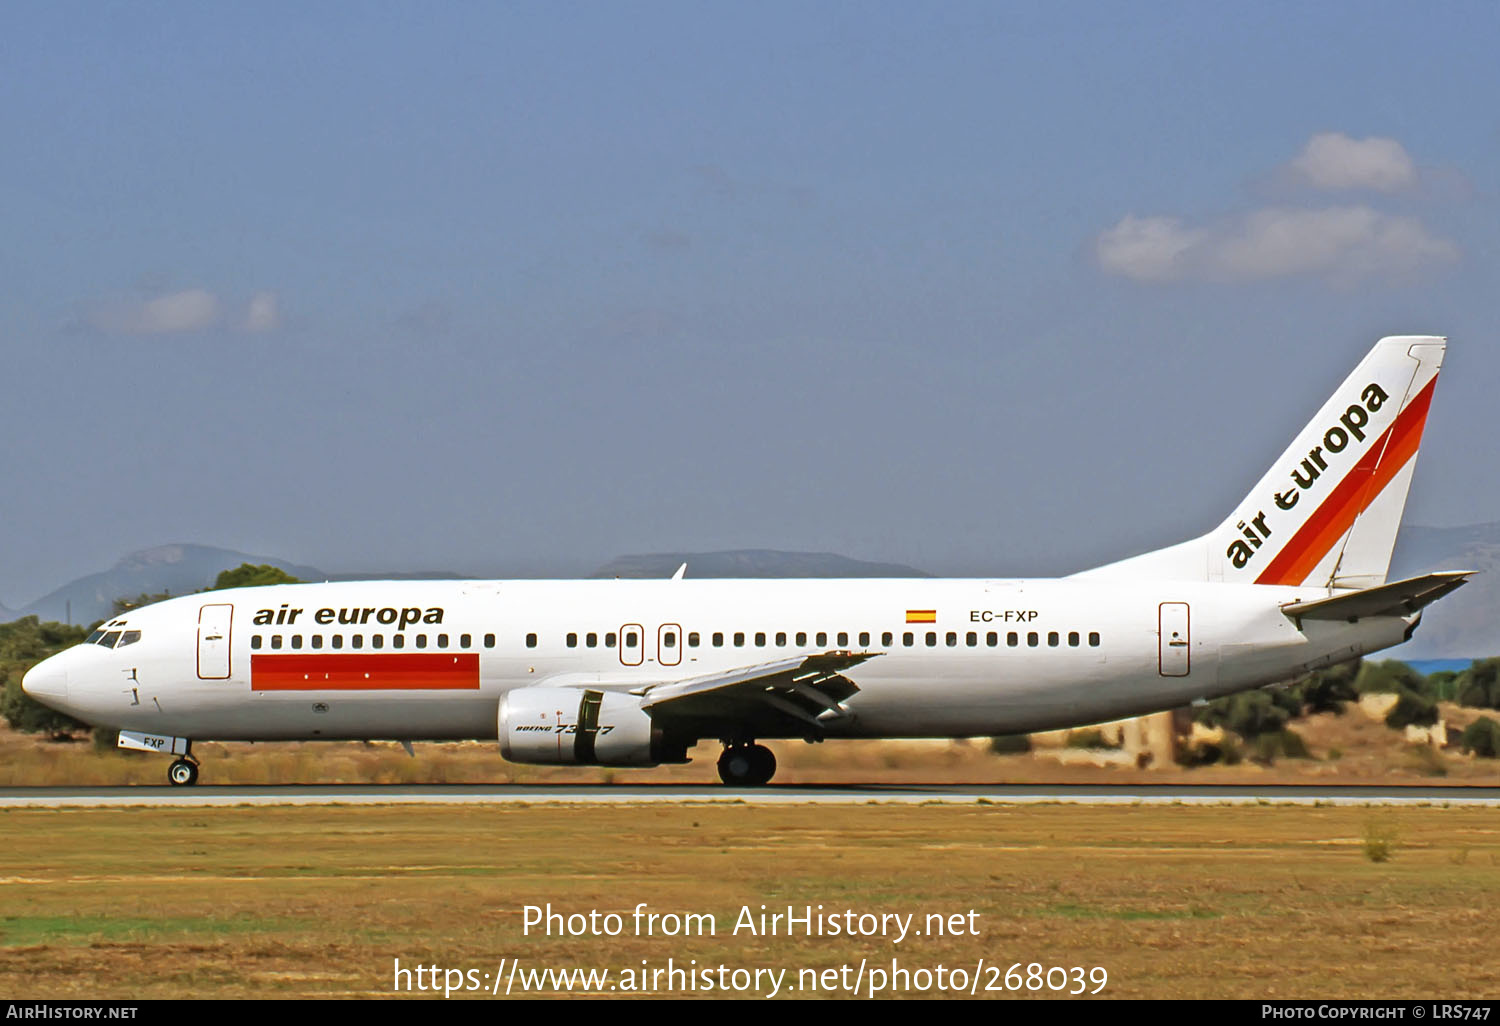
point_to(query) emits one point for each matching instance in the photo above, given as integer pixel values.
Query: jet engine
(581, 727)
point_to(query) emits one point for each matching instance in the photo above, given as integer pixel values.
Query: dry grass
(1173, 901)
(1347, 749)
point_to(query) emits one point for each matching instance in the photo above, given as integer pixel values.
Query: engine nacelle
(581, 727)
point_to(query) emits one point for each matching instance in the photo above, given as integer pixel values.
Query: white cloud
(263, 314)
(1332, 160)
(1147, 248)
(190, 310)
(1341, 244)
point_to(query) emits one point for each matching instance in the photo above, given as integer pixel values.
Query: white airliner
(633, 673)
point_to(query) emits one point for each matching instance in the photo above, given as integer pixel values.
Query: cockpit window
(93, 638)
(108, 641)
(129, 638)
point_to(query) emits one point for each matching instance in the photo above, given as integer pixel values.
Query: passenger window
(609, 640)
(718, 639)
(631, 639)
(376, 641)
(887, 638)
(1093, 639)
(1052, 639)
(760, 638)
(338, 641)
(276, 641)
(932, 639)
(693, 639)
(670, 639)
(1012, 639)
(1033, 639)
(1073, 638)
(591, 639)
(739, 639)
(822, 638)
(843, 639)
(442, 641)
(992, 639)
(317, 640)
(255, 641)
(356, 641)
(864, 639)
(801, 638)
(489, 640)
(972, 639)
(465, 640)
(398, 641)
(952, 639)
(296, 641)
(422, 640)
(530, 641)
(572, 641)
(908, 639)
(781, 638)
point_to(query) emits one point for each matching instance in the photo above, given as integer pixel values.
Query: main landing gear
(746, 765)
(183, 773)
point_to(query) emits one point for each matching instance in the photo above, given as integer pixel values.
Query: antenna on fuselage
(680, 571)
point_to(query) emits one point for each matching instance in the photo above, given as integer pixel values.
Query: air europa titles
(1351, 427)
(401, 618)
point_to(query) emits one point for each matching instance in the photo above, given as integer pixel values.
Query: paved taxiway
(616, 794)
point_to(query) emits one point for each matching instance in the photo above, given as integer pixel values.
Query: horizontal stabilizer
(1399, 598)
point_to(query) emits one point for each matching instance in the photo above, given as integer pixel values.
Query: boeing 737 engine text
(634, 673)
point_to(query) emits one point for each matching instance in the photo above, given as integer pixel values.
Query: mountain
(1467, 623)
(751, 563)
(175, 569)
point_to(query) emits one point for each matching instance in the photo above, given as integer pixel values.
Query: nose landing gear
(746, 765)
(183, 773)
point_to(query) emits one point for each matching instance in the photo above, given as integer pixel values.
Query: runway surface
(617, 794)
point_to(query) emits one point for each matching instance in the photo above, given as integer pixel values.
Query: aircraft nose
(46, 682)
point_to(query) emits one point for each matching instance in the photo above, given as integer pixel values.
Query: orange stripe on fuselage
(365, 671)
(1360, 487)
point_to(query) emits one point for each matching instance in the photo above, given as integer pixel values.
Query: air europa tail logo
(1306, 474)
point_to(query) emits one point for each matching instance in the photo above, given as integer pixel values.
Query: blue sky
(984, 288)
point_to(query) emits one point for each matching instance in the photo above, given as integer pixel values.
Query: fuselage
(431, 660)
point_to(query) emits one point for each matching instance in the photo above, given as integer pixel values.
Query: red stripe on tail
(1360, 487)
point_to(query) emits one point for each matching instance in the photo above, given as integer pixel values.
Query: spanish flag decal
(921, 616)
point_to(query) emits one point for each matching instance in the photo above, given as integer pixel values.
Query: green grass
(26, 931)
(1175, 902)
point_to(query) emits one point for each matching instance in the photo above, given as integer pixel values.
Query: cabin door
(1175, 645)
(213, 641)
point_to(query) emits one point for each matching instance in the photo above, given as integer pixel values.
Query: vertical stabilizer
(1327, 512)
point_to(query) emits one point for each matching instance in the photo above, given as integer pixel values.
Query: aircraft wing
(1399, 598)
(808, 690)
